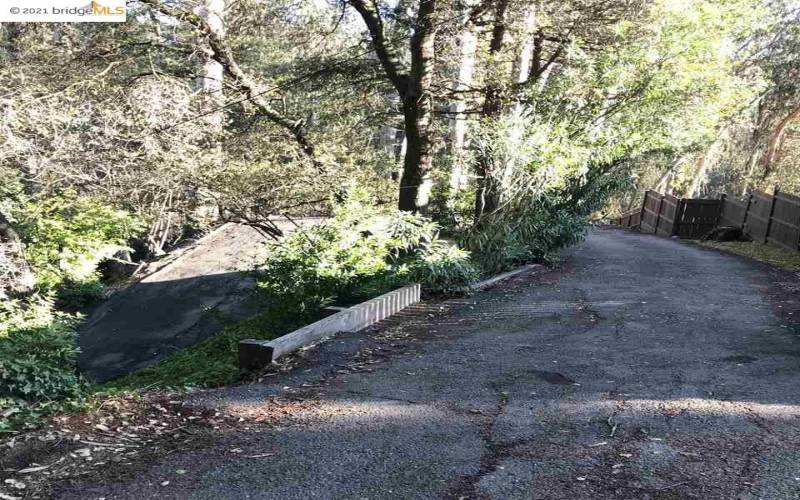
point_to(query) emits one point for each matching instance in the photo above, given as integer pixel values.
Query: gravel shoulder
(641, 369)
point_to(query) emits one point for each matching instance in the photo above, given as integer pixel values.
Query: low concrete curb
(254, 354)
(482, 285)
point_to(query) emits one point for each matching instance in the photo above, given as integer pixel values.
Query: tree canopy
(502, 127)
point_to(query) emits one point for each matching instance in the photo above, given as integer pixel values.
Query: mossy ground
(213, 361)
(770, 254)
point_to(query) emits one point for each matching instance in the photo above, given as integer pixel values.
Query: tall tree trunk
(210, 73)
(755, 159)
(702, 169)
(415, 186)
(414, 89)
(390, 134)
(527, 55)
(669, 187)
(468, 44)
(10, 39)
(661, 182)
(776, 141)
(487, 195)
(664, 183)
(209, 89)
(387, 140)
(521, 72)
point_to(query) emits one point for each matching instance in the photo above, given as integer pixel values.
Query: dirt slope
(169, 308)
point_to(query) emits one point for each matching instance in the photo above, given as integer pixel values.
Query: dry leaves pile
(121, 431)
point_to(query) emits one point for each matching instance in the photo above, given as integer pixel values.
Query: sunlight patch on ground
(715, 407)
(352, 411)
(685, 406)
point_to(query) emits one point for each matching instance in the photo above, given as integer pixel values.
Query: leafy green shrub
(406, 231)
(37, 359)
(66, 236)
(362, 252)
(315, 265)
(442, 268)
(79, 295)
(535, 234)
(535, 227)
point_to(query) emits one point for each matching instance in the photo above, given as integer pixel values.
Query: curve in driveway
(644, 369)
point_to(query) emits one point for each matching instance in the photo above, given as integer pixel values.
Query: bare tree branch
(223, 54)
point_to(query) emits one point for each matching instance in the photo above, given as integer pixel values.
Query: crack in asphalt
(466, 486)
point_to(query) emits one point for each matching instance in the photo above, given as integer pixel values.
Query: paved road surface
(645, 368)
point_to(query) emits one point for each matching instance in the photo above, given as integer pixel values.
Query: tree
(222, 54)
(462, 83)
(210, 74)
(413, 86)
(490, 170)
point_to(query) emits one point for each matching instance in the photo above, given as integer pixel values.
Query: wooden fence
(659, 214)
(670, 216)
(765, 218)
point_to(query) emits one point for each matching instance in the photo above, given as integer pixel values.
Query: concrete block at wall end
(254, 354)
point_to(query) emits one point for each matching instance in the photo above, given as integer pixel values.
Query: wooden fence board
(698, 218)
(767, 218)
(733, 212)
(764, 217)
(668, 216)
(757, 223)
(788, 197)
(631, 219)
(650, 211)
(784, 234)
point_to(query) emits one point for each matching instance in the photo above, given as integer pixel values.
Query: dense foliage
(67, 236)
(442, 141)
(362, 252)
(37, 361)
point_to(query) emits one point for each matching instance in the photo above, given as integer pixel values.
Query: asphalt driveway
(644, 368)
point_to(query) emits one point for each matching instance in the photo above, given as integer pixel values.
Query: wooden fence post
(676, 223)
(641, 212)
(797, 243)
(771, 212)
(658, 213)
(747, 209)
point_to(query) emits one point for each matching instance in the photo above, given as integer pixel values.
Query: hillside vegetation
(489, 132)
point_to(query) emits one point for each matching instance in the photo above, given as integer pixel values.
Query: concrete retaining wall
(254, 354)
